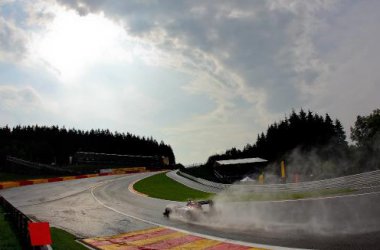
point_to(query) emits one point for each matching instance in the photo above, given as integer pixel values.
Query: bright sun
(72, 43)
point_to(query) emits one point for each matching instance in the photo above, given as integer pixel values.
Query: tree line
(45, 144)
(311, 144)
(302, 130)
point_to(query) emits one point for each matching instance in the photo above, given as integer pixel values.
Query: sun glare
(72, 43)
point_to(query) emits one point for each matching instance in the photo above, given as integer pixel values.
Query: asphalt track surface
(104, 206)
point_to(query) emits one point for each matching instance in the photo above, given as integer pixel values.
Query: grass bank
(63, 240)
(162, 187)
(8, 237)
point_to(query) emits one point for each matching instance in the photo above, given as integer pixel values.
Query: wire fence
(20, 222)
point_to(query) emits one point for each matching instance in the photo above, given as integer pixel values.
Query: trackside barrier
(20, 222)
(123, 170)
(362, 181)
(39, 166)
(10, 184)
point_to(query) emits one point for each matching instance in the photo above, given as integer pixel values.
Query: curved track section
(338, 222)
(104, 206)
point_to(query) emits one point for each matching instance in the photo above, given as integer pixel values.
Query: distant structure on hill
(92, 158)
(229, 171)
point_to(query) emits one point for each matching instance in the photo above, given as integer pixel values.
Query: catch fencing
(367, 181)
(20, 222)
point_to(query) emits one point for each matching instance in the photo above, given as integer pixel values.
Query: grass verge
(162, 187)
(8, 237)
(63, 240)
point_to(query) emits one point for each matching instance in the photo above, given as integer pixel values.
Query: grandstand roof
(241, 161)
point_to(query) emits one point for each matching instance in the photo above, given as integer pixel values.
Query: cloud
(268, 45)
(252, 60)
(349, 83)
(12, 41)
(243, 55)
(18, 22)
(22, 104)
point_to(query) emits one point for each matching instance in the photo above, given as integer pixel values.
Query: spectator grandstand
(229, 171)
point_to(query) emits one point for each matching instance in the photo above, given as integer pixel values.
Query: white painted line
(132, 190)
(85, 245)
(184, 231)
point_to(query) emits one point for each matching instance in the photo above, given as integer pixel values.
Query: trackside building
(228, 171)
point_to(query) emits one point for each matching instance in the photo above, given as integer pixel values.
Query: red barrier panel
(104, 174)
(1, 186)
(55, 179)
(80, 176)
(39, 233)
(24, 183)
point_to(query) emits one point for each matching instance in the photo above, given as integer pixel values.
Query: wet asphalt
(104, 206)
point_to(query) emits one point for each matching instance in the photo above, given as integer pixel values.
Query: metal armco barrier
(362, 181)
(39, 166)
(20, 222)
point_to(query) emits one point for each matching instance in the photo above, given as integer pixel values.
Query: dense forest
(304, 131)
(311, 145)
(53, 144)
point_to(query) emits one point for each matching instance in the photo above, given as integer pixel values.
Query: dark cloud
(252, 39)
(254, 60)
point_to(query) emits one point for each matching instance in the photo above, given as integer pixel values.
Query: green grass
(8, 238)
(162, 187)
(63, 240)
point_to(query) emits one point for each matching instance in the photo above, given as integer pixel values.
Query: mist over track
(105, 206)
(363, 183)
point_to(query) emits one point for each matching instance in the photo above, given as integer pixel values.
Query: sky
(203, 76)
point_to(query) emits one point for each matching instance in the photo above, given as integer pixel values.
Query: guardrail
(367, 180)
(38, 165)
(20, 222)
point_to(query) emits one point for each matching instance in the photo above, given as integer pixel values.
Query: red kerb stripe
(227, 246)
(24, 183)
(100, 243)
(55, 179)
(80, 176)
(167, 244)
(141, 236)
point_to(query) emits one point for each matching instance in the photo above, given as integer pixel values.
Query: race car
(193, 210)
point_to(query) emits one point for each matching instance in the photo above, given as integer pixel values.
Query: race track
(104, 206)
